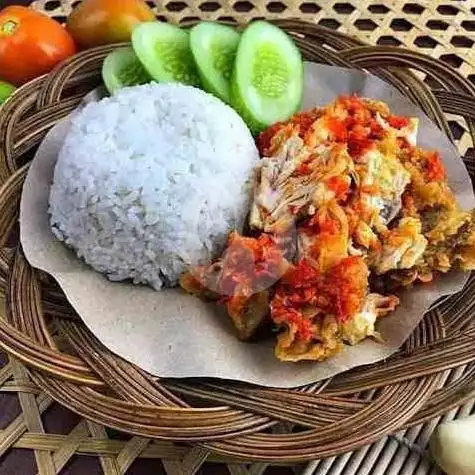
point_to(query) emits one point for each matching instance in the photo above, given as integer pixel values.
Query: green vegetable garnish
(214, 49)
(267, 81)
(6, 89)
(122, 68)
(165, 52)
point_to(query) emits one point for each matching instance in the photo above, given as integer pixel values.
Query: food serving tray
(239, 420)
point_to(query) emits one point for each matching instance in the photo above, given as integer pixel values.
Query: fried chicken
(240, 280)
(346, 209)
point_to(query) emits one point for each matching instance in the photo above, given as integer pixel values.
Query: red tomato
(31, 44)
(99, 22)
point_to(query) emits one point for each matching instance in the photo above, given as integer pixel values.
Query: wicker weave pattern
(402, 452)
(442, 28)
(69, 364)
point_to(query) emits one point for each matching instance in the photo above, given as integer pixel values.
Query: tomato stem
(9, 27)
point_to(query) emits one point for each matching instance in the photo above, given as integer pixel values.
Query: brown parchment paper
(171, 334)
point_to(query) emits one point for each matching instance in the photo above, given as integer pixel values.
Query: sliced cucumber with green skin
(6, 89)
(214, 49)
(164, 50)
(122, 68)
(267, 81)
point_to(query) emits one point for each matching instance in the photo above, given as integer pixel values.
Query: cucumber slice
(6, 89)
(165, 52)
(122, 68)
(267, 81)
(214, 48)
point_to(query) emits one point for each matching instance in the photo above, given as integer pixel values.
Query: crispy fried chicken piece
(201, 281)
(428, 187)
(383, 180)
(248, 312)
(362, 324)
(347, 187)
(326, 342)
(241, 280)
(451, 245)
(452, 242)
(269, 140)
(311, 306)
(324, 238)
(402, 247)
(429, 200)
(308, 163)
(319, 312)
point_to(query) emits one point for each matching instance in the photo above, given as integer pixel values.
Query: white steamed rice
(151, 181)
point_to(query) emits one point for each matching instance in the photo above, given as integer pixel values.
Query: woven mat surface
(32, 425)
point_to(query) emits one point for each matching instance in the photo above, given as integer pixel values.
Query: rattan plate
(236, 420)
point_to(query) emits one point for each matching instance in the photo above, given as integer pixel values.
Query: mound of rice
(152, 180)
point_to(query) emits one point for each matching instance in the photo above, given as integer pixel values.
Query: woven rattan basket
(237, 420)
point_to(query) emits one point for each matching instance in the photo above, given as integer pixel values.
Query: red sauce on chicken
(304, 121)
(397, 122)
(339, 186)
(339, 292)
(435, 170)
